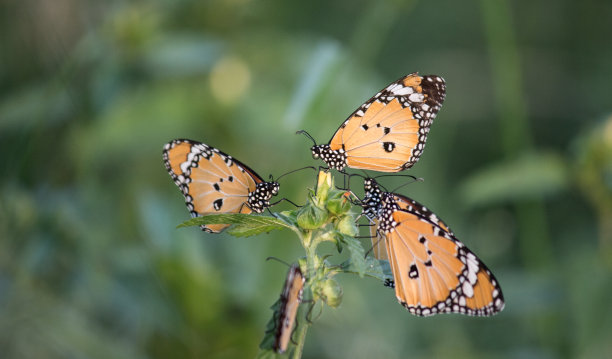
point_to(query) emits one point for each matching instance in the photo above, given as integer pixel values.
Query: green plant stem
(299, 347)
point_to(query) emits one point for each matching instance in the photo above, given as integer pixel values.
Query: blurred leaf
(183, 55)
(533, 175)
(44, 104)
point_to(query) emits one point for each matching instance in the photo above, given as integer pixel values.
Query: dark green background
(518, 163)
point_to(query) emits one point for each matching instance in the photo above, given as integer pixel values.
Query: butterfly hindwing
(213, 182)
(388, 132)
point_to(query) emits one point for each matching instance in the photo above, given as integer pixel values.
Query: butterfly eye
(316, 152)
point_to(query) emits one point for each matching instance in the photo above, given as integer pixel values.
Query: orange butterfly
(388, 132)
(213, 182)
(433, 271)
(290, 300)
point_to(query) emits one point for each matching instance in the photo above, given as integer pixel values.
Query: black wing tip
(434, 87)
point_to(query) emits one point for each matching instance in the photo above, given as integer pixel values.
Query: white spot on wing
(403, 91)
(468, 290)
(416, 97)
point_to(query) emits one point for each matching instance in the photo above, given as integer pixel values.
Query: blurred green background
(518, 162)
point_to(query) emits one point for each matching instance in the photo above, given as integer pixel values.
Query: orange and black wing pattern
(433, 271)
(213, 182)
(388, 132)
(290, 301)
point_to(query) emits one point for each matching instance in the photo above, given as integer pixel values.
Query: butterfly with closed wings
(388, 132)
(290, 299)
(433, 271)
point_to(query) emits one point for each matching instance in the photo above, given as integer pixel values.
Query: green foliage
(243, 225)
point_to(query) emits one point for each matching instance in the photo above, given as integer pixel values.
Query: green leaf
(267, 343)
(357, 254)
(244, 225)
(249, 230)
(311, 217)
(531, 176)
(375, 268)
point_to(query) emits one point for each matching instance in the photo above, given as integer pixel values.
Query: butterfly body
(433, 271)
(388, 132)
(213, 182)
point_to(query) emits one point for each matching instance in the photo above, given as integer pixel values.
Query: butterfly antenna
(349, 175)
(279, 260)
(373, 245)
(385, 188)
(396, 175)
(407, 183)
(302, 132)
(290, 172)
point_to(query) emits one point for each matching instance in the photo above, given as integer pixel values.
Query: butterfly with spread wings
(433, 271)
(388, 132)
(214, 182)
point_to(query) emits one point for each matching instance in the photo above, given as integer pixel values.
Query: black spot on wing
(218, 204)
(388, 146)
(413, 272)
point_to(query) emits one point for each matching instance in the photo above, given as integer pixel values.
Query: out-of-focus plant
(593, 169)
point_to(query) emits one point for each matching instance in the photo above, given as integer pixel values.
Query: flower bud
(338, 203)
(331, 293)
(347, 226)
(312, 217)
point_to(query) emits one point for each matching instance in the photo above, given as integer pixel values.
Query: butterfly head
(318, 150)
(259, 199)
(333, 158)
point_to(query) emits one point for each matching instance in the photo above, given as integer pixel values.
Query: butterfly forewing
(211, 181)
(388, 132)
